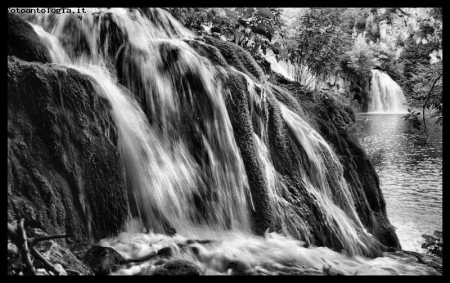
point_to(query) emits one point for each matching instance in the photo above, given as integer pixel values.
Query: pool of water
(410, 176)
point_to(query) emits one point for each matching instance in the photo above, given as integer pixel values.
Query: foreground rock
(103, 260)
(23, 42)
(59, 255)
(14, 259)
(177, 268)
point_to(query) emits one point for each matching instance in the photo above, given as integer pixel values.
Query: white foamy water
(385, 95)
(233, 252)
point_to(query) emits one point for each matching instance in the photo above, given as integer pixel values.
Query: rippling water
(410, 176)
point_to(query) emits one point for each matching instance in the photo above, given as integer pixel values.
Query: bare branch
(403, 12)
(23, 246)
(48, 266)
(45, 238)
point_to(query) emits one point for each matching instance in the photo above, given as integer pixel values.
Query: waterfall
(184, 170)
(174, 181)
(385, 96)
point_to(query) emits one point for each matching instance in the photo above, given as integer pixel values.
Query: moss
(59, 181)
(238, 109)
(237, 57)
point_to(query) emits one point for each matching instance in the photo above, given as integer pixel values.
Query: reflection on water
(411, 177)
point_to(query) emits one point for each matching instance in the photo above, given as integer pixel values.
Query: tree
(316, 44)
(424, 75)
(251, 28)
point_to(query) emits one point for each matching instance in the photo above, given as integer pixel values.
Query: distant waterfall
(385, 96)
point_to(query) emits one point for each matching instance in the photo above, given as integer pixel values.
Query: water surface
(410, 176)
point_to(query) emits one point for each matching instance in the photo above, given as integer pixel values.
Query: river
(410, 176)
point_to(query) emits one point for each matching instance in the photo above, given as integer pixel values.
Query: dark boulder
(23, 42)
(111, 36)
(103, 260)
(177, 267)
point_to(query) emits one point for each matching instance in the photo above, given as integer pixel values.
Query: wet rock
(111, 36)
(65, 174)
(14, 260)
(42, 272)
(237, 57)
(103, 260)
(177, 267)
(236, 267)
(434, 245)
(79, 249)
(391, 249)
(60, 269)
(430, 240)
(60, 256)
(165, 252)
(23, 42)
(437, 234)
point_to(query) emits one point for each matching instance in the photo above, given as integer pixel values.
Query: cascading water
(385, 96)
(172, 178)
(184, 170)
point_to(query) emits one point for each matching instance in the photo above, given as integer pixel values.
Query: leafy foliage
(434, 244)
(251, 28)
(423, 77)
(316, 45)
(427, 90)
(359, 62)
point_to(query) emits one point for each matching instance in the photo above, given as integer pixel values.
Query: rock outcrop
(64, 171)
(336, 122)
(103, 260)
(23, 42)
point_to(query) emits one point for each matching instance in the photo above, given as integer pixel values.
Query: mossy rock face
(337, 124)
(237, 57)
(23, 42)
(331, 119)
(65, 174)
